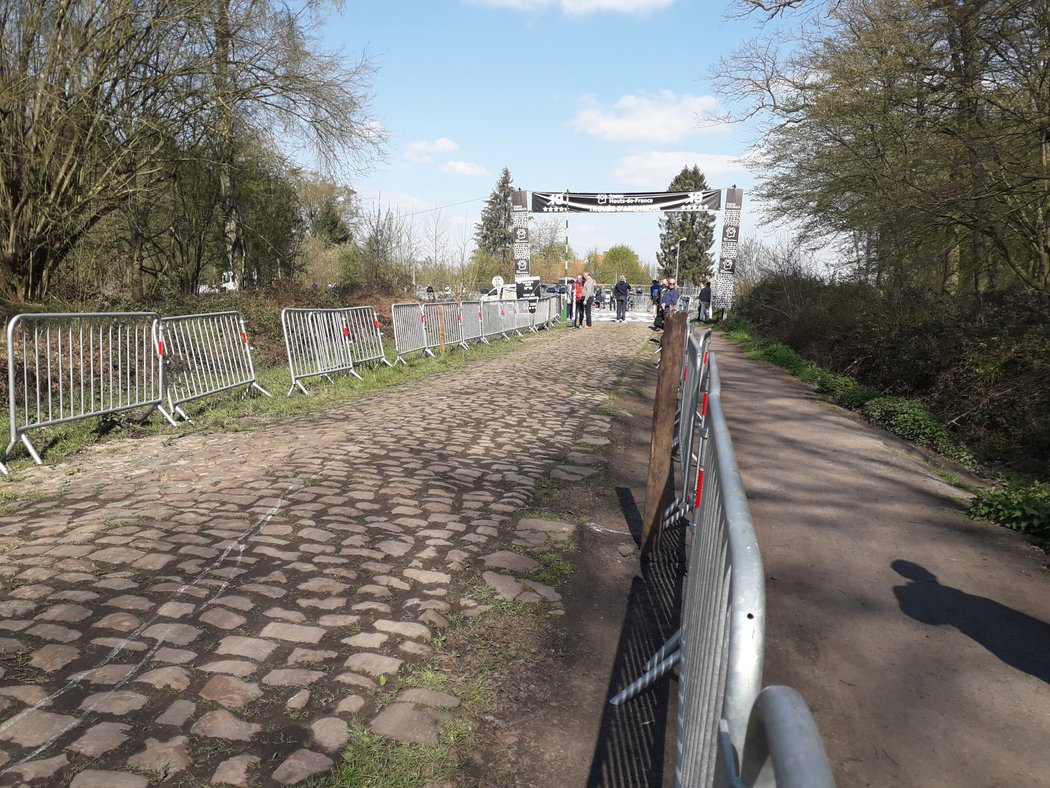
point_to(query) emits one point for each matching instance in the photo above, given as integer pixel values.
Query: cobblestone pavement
(223, 606)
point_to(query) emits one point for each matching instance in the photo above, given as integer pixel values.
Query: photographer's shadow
(1017, 639)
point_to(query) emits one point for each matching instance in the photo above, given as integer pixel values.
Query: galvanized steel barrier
(202, 355)
(470, 315)
(366, 338)
(318, 344)
(441, 325)
(492, 320)
(719, 647)
(409, 332)
(64, 367)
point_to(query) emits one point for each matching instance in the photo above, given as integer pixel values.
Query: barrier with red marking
(366, 338)
(203, 355)
(63, 367)
(409, 334)
(441, 324)
(318, 342)
(470, 319)
(492, 323)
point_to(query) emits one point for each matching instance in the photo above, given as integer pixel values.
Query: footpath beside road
(221, 608)
(919, 639)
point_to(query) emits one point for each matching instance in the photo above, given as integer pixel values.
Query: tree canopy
(693, 260)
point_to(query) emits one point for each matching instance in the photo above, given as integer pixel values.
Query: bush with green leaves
(1023, 508)
(908, 419)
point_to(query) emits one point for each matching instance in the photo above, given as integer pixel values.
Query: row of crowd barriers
(424, 328)
(63, 367)
(730, 731)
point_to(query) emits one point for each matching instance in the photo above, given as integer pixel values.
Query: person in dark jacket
(621, 291)
(705, 303)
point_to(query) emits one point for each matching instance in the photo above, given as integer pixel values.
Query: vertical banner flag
(519, 214)
(723, 296)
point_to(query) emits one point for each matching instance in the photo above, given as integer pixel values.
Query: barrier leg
(647, 679)
(3, 470)
(258, 388)
(667, 648)
(31, 449)
(354, 373)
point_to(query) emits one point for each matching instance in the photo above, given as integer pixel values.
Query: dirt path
(918, 637)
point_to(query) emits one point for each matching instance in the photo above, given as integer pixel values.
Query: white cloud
(653, 171)
(659, 118)
(468, 168)
(581, 7)
(422, 150)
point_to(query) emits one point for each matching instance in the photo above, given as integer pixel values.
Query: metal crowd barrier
(366, 339)
(441, 325)
(203, 355)
(64, 367)
(409, 332)
(492, 320)
(783, 746)
(719, 647)
(318, 344)
(470, 314)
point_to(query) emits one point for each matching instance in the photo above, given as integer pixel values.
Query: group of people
(582, 296)
(664, 293)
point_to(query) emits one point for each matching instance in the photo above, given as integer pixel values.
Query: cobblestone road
(224, 606)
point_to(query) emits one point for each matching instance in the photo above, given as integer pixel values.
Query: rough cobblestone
(349, 543)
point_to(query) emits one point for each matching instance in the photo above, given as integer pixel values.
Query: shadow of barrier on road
(631, 748)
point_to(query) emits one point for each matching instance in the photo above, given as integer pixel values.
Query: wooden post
(441, 327)
(667, 383)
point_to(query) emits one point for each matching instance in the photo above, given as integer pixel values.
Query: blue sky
(584, 95)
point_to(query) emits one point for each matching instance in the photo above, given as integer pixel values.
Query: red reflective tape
(699, 487)
(705, 357)
(160, 347)
(346, 331)
(479, 313)
(422, 318)
(376, 321)
(703, 408)
(459, 317)
(244, 337)
(685, 371)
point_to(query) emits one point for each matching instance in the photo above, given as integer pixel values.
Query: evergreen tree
(696, 227)
(493, 232)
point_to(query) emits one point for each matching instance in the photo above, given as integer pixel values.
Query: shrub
(908, 419)
(1021, 508)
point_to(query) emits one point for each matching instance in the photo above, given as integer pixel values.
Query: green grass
(370, 761)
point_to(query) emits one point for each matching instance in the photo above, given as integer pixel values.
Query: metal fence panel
(409, 332)
(202, 355)
(441, 324)
(492, 319)
(723, 617)
(470, 312)
(318, 344)
(366, 339)
(63, 367)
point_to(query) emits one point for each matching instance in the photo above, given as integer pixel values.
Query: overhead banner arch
(638, 202)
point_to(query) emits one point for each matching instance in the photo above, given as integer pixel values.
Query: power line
(439, 207)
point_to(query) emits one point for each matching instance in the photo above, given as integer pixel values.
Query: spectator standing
(577, 296)
(589, 289)
(654, 294)
(705, 303)
(622, 291)
(668, 302)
